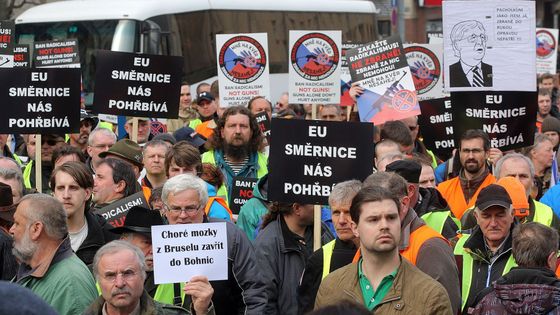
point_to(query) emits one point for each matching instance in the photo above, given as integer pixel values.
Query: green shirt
(373, 297)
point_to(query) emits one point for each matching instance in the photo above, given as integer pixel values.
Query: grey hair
(517, 156)
(157, 143)
(8, 174)
(335, 106)
(344, 192)
(184, 182)
(115, 247)
(103, 131)
(539, 138)
(16, 164)
(47, 210)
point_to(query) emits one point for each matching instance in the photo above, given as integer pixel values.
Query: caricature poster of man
(489, 45)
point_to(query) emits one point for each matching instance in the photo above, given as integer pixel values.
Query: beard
(24, 249)
(236, 152)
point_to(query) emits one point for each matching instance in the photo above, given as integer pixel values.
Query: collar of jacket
(410, 223)
(63, 251)
(525, 275)
(289, 240)
(475, 182)
(251, 165)
(430, 200)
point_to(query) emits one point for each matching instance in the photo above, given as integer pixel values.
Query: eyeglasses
(473, 38)
(102, 146)
(178, 210)
(126, 275)
(473, 151)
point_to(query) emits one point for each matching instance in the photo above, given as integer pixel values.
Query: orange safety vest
(417, 238)
(452, 191)
(147, 191)
(219, 200)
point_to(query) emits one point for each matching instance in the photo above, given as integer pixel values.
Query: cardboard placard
(115, 213)
(137, 85)
(508, 117)
(547, 50)
(264, 124)
(314, 69)
(241, 191)
(56, 54)
(243, 70)
(424, 61)
(21, 56)
(40, 100)
(7, 31)
(307, 158)
(489, 45)
(182, 251)
(436, 125)
(345, 78)
(381, 68)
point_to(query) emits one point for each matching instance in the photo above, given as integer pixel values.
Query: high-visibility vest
(327, 255)
(436, 220)
(208, 157)
(165, 293)
(433, 157)
(219, 200)
(27, 174)
(466, 279)
(417, 238)
(452, 191)
(543, 213)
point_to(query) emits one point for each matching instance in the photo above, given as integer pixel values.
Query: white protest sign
(182, 251)
(243, 71)
(489, 45)
(424, 61)
(547, 50)
(314, 69)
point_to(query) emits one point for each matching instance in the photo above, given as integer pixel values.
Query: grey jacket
(282, 260)
(243, 292)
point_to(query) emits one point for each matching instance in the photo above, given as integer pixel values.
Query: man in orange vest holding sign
(420, 244)
(461, 191)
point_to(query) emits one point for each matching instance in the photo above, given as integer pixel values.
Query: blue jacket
(552, 199)
(216, 209)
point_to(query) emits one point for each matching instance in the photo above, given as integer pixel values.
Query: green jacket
(147, 307)
(254, 209)
(63, 281)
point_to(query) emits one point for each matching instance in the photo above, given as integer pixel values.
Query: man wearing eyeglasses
(184, 197)
(100, 140)
(468, 39)
(461, 192)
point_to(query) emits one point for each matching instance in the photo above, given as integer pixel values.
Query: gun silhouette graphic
(386, 97)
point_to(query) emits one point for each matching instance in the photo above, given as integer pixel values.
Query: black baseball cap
(409, 170)
(139, 220)
(493, 195)
(204, 96)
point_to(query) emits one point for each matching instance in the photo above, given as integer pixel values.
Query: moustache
(120, 291)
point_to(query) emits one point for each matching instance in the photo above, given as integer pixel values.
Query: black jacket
(98, 235)
(458, 78)
(431, 200)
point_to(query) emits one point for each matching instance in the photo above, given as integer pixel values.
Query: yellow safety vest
(27, 175)
(543, 213)
(327, 255)
(165, 293)
(436, 220)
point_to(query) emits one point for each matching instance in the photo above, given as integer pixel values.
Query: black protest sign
(115, 213)
(40, 100)
(436, 124)
(508, 117)
(241, 191)
(56, 54)
(7, 31)
(264, 124)
(137, 85)
(307, 158)
(21, 56)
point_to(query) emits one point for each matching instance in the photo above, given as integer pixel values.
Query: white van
(188, 28)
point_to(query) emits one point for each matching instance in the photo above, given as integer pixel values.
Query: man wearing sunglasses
(468, 39)
(49, 143)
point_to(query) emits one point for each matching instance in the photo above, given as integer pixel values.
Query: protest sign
(308, 157)
(7, 32)
(424, 61)
(264, 124)
(56, 54)
(182, 251)
(115, 213)
(382, 70)
(241, 191)
(434, 37)
(489, 45)
(137, 85)
(21, 56)
(40, 100)
(243, 68)
(547, 50)
(314, 70)
(345, 78)
(507, 117)
(436, 125)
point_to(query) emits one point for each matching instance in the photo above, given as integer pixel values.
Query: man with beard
(234, 148)
(381, 279)
(79, 140)
(461, 192)
(48, 266)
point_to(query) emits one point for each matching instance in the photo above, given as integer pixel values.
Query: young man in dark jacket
(531, 288)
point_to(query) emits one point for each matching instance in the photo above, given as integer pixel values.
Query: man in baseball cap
(486, 253)
(206, 106)
(128, 151)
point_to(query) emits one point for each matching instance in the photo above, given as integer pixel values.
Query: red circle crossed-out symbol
(404, 100)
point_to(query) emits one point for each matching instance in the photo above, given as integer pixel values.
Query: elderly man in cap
(485, 253)
(128, 151)
(49, 143)
(120, 271)
(144, 133)
(8, 264)
(137, 230)
(48, 266)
